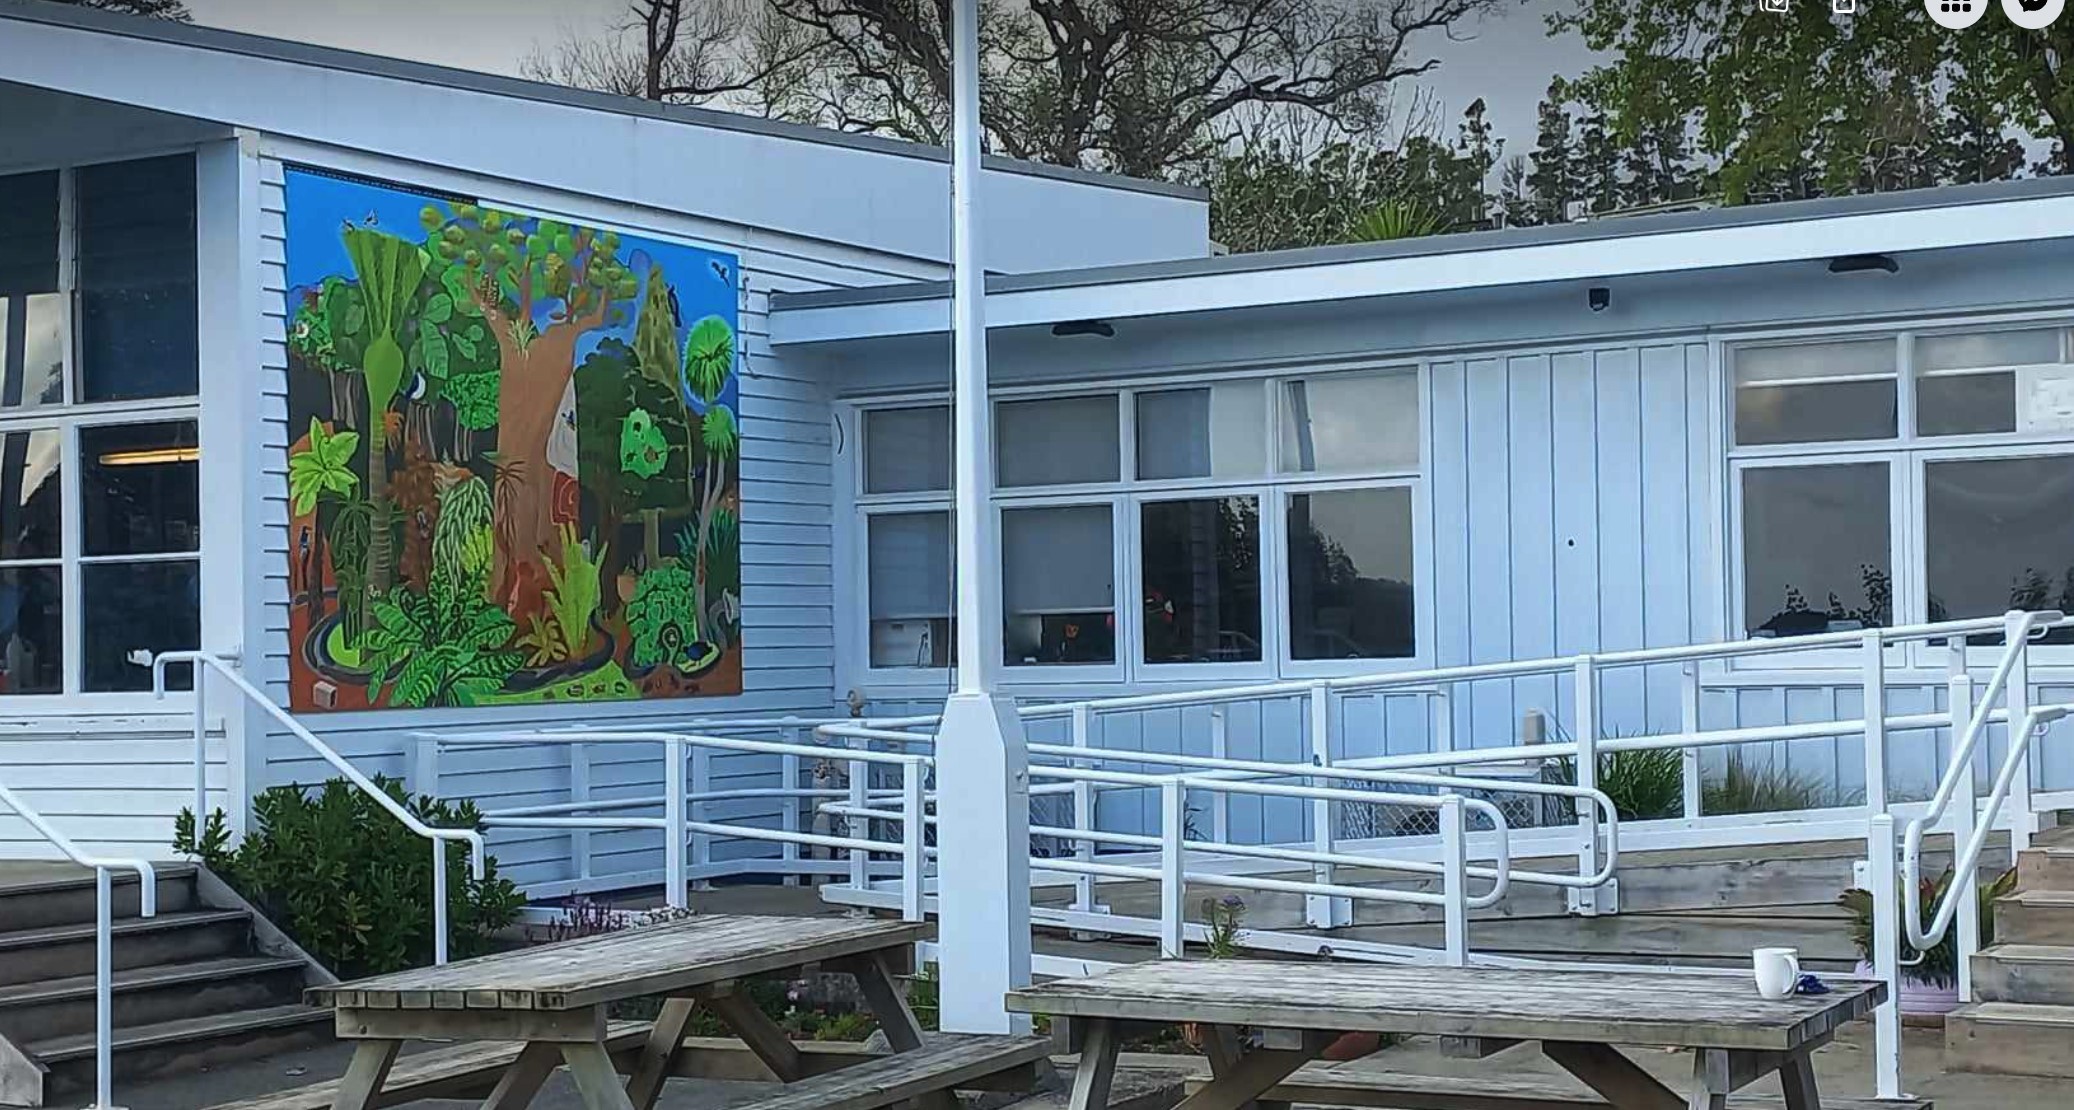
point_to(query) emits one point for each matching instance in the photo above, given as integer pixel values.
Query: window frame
(1271, 487)
(1906, 453)
(67, 416)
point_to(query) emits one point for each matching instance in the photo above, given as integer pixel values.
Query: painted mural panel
(514, 474)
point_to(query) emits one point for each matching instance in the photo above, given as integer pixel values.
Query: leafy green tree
(388, 269)
(320, 472)
(448, 646)
(520, 272)
(1803, 103)
(609, 387)
(709, 360)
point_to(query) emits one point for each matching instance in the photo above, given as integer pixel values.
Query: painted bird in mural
(719, 270)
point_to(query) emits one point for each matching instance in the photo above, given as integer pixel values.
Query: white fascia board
(881, 201)
(1599, 259)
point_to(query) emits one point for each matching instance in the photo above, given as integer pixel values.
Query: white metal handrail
(680, 820)
(104, 932)
(204, 662)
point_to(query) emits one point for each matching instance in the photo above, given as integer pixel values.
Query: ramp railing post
(1585, 735)
(1083, 812)
(674, 829)
(1173, 817)
(1454, 881)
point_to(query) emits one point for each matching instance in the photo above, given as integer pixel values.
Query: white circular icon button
(2033, 15)
(1957, 15)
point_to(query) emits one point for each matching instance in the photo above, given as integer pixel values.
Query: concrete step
(178, 1046)
(2036, 973)
(150, 995)
(2045, 869)
(58, 951)
(2010, 1038)
(2035, 917)
(66, 897)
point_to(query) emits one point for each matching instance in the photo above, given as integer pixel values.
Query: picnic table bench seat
(1332, 1085)
(943, 1063)
(454, 1071)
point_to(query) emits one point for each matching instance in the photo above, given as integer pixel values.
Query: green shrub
(1746, 788)
(345, 879)
(1645, 785)
(1939, 966)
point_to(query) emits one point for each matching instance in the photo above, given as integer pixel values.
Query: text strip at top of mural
(514, 461)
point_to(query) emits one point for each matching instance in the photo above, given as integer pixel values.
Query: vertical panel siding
(788, 596)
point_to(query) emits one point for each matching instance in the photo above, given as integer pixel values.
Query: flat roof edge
(1611, 229)
(425, 73)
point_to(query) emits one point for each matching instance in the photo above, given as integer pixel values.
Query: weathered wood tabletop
(655, 959)
(553, 999)
(1577, 1016)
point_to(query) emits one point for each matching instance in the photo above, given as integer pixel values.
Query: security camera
(1598, 297)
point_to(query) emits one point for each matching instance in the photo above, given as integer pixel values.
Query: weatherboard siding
(788, 592)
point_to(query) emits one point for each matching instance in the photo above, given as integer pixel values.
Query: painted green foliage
(519, 480)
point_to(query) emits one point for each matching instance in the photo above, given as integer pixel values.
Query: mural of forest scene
(513, 468)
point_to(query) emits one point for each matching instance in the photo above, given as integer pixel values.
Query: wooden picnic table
(1579, 1018)
(553, 999)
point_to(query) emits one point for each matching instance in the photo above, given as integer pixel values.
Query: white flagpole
(982, 767)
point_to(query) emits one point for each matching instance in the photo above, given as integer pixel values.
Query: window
(1350, 574)
(907, 450)
(1056, 442)
(1058, 585)
(1201, 562)
(1815, 545)
(100, 506)
(1961, 439)
(1815, 392)
(909, 585)
(1215, 431)
(1262, 525)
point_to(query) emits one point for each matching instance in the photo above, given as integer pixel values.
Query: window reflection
(1998, 537)
(138, 488)
(1058, 585)
(1816, 543)
(129, 607)
(1202, 580)
(1350, 575)
(32, 651)
(29, 494)
(137, 279)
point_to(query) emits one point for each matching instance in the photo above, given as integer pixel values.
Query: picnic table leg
(1797, 1076)
(757, 1030)
(1616, 1078)
(1224, 1047)
(1097, 1068)
(365, 1075)
(1711, 1084)
(596, 1079)
(659, 1057)
(1254, 1073)
(883, 996)
(521, 1081)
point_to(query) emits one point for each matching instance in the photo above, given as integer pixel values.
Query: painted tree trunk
(528, 401)
(381, 539)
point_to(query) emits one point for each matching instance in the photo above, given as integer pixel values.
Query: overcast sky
(1507, 60)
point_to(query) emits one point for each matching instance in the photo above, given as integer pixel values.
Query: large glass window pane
(1963, 381)
(138, 491)
(137, 322)
(1201, 569)
(1058, 585)
(32, 322)
(1816, 549)
(32, 645)
(907, 450)
(1056, 442)
(1998, 536)
(1216, 431)
(131, 606)
(1350, 575)
(30, 497)
(1367, 421)
(1815, 392)
(909, 570)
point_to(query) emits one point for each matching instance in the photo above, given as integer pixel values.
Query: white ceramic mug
(1777, 971)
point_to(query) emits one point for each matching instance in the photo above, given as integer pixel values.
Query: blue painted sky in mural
(321, 207)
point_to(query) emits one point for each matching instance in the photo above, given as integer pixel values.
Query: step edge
(58, 1050)
(164, 871)
(149, 977)
(33, 938)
